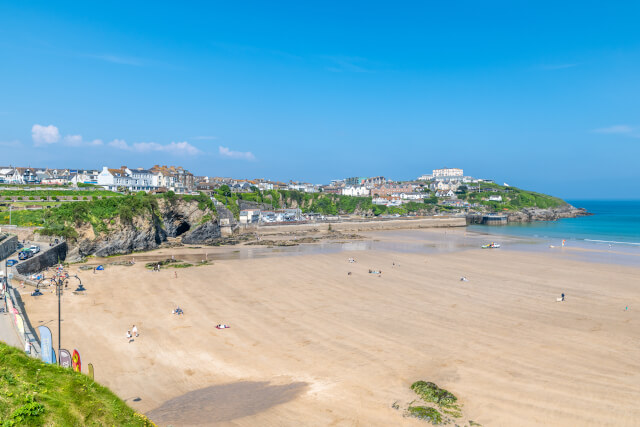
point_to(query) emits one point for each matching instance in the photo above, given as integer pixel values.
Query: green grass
(23, 218)
(512, 198)
(37, 394)
(425, 413)
(52, 193)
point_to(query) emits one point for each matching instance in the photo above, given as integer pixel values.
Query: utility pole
(59, 293)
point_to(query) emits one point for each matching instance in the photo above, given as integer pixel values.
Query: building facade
(447, 172)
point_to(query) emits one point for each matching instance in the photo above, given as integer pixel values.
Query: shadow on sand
(224, 402)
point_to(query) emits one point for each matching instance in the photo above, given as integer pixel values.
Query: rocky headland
(186, 220)
(550, 214)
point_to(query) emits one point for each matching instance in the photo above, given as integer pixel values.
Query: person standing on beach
(134, 330)
(176, 274)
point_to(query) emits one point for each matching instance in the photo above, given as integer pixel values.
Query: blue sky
(542, 95)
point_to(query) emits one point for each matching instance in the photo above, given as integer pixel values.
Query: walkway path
(8, 332)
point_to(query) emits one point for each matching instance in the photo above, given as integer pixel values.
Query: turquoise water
(615, 223)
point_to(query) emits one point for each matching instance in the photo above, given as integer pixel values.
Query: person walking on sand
(129, 336)
(176, 274)
(134, 330)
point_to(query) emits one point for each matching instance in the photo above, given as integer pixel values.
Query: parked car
(11, 262)
(34, 248)
(25, 254)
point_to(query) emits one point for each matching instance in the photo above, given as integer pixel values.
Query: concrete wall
(48, 257)
(390, 224)
(8, 246)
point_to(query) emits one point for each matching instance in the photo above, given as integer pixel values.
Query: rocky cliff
(192, 223)
(551, 214)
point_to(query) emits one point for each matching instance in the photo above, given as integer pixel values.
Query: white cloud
(615, 129)
(45, 134)
(246, 155)
(119, 143)
(144, 147)
(77, 141)
(73, 140)
(13, 143)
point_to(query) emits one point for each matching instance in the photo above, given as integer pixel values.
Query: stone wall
(371, 225)
(8, 245)
(45, 259)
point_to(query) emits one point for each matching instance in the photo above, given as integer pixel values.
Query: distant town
(441, 182)
(446, 188)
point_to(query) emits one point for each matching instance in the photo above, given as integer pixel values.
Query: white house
(132, 180)
(249, 216)
(355, 191)
(265, 186)
(445, 193)
(412, 196)
(10, 176)
(495, 198)
(439, 185)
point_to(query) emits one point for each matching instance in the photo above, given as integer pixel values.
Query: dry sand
(311, 345)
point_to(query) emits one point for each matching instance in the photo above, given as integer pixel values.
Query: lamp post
(60, 280)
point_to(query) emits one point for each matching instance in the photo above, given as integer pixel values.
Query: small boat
(491, 246)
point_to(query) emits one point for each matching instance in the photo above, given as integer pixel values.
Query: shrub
(425, 413)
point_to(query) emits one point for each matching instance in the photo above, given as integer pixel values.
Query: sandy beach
(310, 344)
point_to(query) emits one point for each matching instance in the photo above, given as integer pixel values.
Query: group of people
(133, 332)
(222, 326)
(178, 311)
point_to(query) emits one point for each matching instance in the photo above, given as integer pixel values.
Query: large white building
(355, 191)
(447, 172)
(129, 179)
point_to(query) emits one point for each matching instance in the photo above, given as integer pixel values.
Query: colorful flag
(65, 358)
(75, 361)
(46, 350)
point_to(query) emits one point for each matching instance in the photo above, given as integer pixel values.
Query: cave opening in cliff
(182, 228)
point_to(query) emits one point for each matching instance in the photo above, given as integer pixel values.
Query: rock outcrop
(178, 218)
(551, 214)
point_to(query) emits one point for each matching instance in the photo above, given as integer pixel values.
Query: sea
(614, 227)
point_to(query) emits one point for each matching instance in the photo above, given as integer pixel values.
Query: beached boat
(491, 246)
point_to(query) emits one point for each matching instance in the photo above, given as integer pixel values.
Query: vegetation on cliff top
(38, 394)
(63, 220)
(512, 198)
(38, 194)
(321, 203)
(335, 204)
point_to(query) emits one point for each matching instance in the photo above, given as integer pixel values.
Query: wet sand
(311, 345)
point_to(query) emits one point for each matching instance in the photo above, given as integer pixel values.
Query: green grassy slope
(33, 393)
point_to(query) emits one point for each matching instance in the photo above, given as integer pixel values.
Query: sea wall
(45, 259)
(354, 226)
(8, 245)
